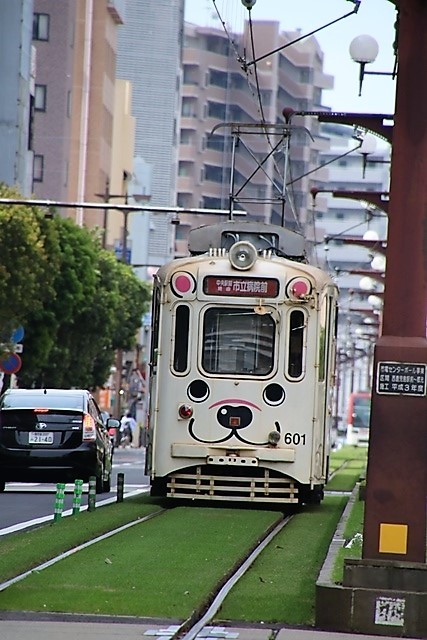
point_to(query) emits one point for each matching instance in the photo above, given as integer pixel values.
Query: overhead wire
(258, 98)
(246, 67)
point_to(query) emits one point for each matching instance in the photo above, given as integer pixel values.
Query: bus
(359, 411)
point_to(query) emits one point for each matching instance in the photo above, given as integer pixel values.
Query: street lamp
(378, 262)
(364, 50)
(367, 284)
(371, 235)
(368, 146)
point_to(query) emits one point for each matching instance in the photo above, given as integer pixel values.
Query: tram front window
(238, 341)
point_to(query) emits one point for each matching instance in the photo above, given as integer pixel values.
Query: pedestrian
(127, 428)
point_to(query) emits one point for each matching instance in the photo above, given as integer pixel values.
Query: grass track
(283, 577)
(162, 568)
(149, 572)
(22, 551)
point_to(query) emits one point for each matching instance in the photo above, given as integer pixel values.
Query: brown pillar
(395, 516)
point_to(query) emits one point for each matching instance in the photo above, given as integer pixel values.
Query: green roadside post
(59, 501)
(77, 497)
(120, 486)
(92, 494)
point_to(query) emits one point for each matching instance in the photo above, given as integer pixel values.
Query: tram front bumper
(232, 456)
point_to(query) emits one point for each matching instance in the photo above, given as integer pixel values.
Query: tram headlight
(243, 255)
(185, 411)
(273, 438)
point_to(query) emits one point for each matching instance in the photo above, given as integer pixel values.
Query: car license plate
(40, 438)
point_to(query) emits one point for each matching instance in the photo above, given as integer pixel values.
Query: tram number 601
(294, 438)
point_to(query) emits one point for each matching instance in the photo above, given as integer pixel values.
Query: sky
(374, 17)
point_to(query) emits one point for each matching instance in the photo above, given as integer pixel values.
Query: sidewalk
(116, 630)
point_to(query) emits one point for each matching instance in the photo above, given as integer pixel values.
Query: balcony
(117, 10)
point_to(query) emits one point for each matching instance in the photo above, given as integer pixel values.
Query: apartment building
(76, 43)
(217, 88)
(17, 95)
(149, 56)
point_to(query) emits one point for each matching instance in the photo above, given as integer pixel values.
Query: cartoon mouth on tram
(235, 415)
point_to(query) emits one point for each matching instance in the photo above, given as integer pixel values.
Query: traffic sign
(17, 334)
(11, 363)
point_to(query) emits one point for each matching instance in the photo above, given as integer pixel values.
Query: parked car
(54, 435)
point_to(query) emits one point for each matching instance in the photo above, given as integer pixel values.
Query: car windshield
(42, 401)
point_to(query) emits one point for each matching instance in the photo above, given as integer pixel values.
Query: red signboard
(241, 287)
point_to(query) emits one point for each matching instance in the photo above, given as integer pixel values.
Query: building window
(41, 26)
(188, 108)
(185, 168)
(213, 173)
(38, 168)
(216, 110)
(66, 174)
(69, 104)
(40, 97)
(218, 78)
(186, 136)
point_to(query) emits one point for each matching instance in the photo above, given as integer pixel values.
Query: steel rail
(66, 554)
(185, 633)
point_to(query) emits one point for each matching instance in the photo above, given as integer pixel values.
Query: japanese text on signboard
(401, 378)
(251, 287)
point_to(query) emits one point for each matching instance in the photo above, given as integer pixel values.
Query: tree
(75, 301)
(29, 255)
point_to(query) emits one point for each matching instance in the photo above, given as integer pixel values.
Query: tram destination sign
(241, 287)
(401, 378)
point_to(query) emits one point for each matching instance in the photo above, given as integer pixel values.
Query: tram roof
(281, 241)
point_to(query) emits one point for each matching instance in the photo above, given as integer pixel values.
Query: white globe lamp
(378, 263)
(364, 49)
(371, 235)
(367, 284)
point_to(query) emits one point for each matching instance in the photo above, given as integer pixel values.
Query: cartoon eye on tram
(241, 372)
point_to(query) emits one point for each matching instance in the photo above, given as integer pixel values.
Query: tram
(241, 369)
(358, 416)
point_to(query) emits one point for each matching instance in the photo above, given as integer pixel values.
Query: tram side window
(237, 341)
(155, 314)
(296, 344)
(181, 338)
(325, 319)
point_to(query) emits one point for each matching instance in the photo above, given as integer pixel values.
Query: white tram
(242, 363)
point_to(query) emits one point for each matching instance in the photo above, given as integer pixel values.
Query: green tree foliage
(77, 303)
(29, 257)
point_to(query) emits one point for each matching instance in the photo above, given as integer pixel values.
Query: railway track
(8, 583)
(207, 609)
(185, 564)
(192, 627)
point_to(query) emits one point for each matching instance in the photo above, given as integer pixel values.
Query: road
(32, 503)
